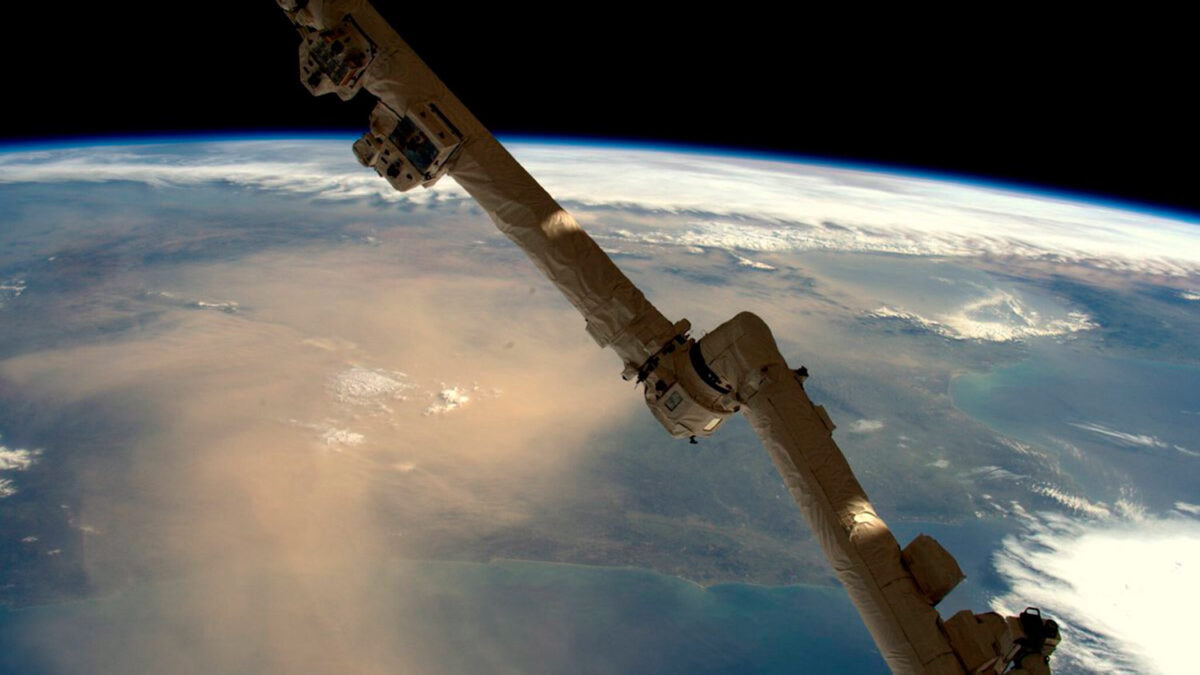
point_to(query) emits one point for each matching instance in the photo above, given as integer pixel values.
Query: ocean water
(1117, 427)
(502, 617)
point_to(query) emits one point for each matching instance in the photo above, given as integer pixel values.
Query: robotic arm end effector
(1014, 645)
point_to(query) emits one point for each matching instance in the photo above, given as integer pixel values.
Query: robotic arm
(895, 590)
(419, 131)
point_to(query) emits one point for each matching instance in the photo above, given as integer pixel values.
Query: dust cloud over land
(225, 458)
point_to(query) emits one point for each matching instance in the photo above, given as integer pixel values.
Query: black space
(1091, 104)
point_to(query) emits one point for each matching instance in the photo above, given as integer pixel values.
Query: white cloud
(16, 459)
(885, 312)
(371, 387)
(1123, 591)
(1127, 439)
(1190, 295)
(865, 426)
(1190, 509)
(997, 317)
(12, 288)
(940, 464)
(1130, 509)
(991, 473)
(1076, 503)
(873, 211)
(311, 167)
(331, 435)
(376, 388)
(754, 264)
(228, 306)
(447, 400)
(1018, 446)
(1001, 317)
(342, 437)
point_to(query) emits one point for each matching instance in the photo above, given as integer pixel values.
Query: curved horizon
(902, 170)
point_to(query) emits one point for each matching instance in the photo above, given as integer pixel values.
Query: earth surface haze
(260, 413)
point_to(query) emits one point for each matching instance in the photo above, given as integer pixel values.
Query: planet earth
(261, 413)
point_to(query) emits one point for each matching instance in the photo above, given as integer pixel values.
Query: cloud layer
(998, 317)
(12, 460)
(792, 206)
(1123, 589)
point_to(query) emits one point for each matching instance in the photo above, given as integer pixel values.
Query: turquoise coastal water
(514, 617)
